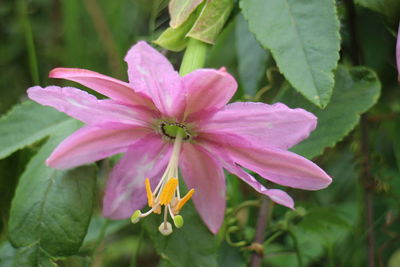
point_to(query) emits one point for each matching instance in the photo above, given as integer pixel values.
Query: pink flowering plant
(234, 136)
(163, 122)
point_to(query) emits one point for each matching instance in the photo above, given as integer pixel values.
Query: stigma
(166, 196)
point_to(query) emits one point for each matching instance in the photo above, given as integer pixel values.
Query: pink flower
(162, 122)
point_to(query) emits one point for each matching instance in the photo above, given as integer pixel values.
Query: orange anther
(184, 200)
(168, 192)
(149, 193)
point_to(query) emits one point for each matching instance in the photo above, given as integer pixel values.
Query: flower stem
(297, 248)
(194, 57)
(263, 215)
(366, 178)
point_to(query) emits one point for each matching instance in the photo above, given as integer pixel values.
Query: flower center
(171, 129)
(166, 194)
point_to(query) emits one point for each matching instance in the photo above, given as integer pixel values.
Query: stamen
(149, 193)
(147, 213)
(178, 221)
(136, 216)
(183, 201)
(168, 192)
(165, 228)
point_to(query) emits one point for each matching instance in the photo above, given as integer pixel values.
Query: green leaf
(175, 39)
(325, 226)
(32, 256)
(11, 169)
(389, 8)
(356, 90)
(27, 123)
(303, 37)
(222, 54)
(7, 254)
(211, 20)
(180, 10)
(252, 58)
(278, 255)
(191, 245)
(51, 209)
(230, 256)
(28, 256)
(100, 226)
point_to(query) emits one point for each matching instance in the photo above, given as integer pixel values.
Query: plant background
(354, 222)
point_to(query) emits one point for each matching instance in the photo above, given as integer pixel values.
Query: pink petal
(208, 89)
(92, 143)
(276, 195)
(201, 172)
(87, 108)
(151, 73)
(274, 164)
(269, 125)
(113, 88)
(125, 191)
(398, 52)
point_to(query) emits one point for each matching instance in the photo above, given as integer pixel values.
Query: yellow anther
(136, 216)
(183, 201)
(149, 193)
(168, 192)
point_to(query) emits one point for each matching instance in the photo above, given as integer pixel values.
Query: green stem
(330, 255)
(30, 44)
(194, 57)
(134, 257)
(272, 238)
(296, 247)
(246, 204)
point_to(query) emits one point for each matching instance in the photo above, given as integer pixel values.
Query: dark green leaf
(389, 8)
(51, 208)
(356, 90)
(230, 256)
(27, 123)
(325, 225)
(252, 58)
(303, 37)
(7, 254)
(32, 256)
(27, 256)
(223, 54)
(191, 245)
